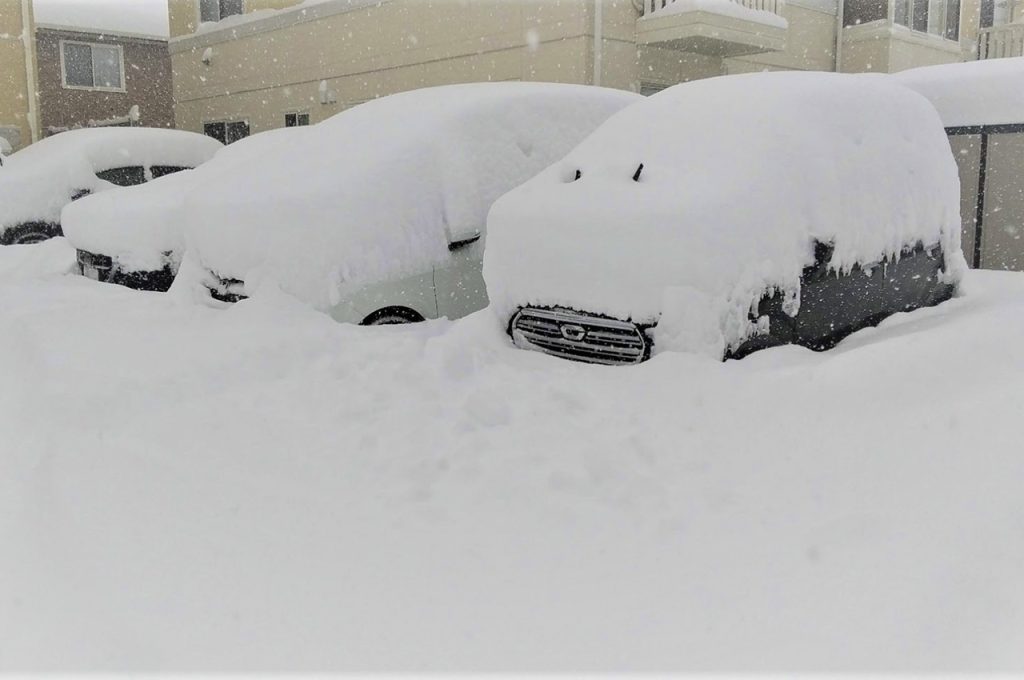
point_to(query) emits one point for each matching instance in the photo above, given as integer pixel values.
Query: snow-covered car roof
(985, 92)
(39, 180)
(740, 175)
(382, 188)
(139, 225)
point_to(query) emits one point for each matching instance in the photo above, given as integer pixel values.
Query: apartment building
(242, 66)
(19, 119)
(91, 77)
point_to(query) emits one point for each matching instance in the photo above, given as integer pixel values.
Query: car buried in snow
(39, 180)
(133, 236)
(729, 215)
(377, 215)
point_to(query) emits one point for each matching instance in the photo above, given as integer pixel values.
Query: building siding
(147, 83)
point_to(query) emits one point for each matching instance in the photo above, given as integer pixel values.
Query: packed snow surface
(381, 189)
(39, 180)
(741, 174)
(727, 8)
(986, 92)
(262, 489)
(142, 227)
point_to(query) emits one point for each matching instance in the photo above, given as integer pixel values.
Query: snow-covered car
(728, 215)
(39, 180)
(981, 103)
(377, 214)
(133, 236)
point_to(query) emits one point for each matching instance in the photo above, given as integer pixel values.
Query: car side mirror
(462, 243)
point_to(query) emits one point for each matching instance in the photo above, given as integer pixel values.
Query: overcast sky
(131, 16)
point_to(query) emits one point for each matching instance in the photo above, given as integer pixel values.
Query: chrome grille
(581, 337)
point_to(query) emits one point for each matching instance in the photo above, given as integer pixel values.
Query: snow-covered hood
(740, 175)
(986, 92)
(142, 226)
(379, 190)
(38, 181)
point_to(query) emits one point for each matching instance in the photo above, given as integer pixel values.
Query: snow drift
(380, 190)
(38, 181)
(740, 175)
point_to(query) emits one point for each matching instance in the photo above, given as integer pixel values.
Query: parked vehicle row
(38, 181)
(721, 216)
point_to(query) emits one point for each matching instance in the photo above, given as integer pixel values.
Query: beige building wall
(362, 50)
(184, 14)
(19, 119)
(324, 58)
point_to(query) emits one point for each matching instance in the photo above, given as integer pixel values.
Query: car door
(459, 283)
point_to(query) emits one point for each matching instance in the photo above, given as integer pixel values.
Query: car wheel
(33, 232)
(390, 316)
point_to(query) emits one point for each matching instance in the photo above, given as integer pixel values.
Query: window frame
(93, 88)
(297, 114)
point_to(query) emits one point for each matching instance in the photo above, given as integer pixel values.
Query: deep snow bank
(262, 489)
(39, 180)
(741, 174)
(379, 190)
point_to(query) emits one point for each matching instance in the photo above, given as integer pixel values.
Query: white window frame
(309, 118)
(94, 88)
(199, 11)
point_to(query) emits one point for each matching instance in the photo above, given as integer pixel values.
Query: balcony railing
(1001, 41)
(773, 6)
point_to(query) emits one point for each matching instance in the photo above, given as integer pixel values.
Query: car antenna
(636, 175)
(578, 175)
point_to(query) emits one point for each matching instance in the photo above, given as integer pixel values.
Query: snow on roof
(740, 175)
(380, 189)
(986, 92)
(726, 8)
(140, 17)
(40, 179)
(139, 225)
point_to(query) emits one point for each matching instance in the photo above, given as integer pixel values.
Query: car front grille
(580, 337)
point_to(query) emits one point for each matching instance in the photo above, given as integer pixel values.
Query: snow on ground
(261, 488)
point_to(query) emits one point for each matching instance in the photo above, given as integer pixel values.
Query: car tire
(390, 316)
(31, 232)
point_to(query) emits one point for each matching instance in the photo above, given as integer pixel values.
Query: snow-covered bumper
(108, 270)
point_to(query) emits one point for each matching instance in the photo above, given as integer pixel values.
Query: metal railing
(773, 6)
(1001, 41)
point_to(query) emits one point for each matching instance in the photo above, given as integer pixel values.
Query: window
(994, 13)
(158, 171)
(124, 177)
(215, 10)
(938, 17)
(647, 89)
(857, 12)
(92, 66)
(296, 119)
(227, 132)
